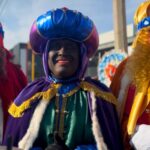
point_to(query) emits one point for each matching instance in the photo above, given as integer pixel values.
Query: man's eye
(71, 47)
(55, 47)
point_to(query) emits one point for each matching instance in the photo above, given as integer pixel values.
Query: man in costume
(12, 80)
(131, 85)
(80, 111)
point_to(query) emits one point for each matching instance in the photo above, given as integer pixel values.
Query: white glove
(141, 138)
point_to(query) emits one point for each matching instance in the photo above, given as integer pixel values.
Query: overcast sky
(17, 16)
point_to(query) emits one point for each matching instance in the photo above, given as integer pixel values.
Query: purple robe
(106, 114)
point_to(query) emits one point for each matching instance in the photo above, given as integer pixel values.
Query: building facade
(23, 56)
(106, 45)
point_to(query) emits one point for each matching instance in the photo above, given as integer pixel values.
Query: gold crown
(142, 12)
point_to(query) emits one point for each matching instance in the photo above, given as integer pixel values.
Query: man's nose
(62, 50)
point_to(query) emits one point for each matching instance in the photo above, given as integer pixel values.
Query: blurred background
(113, 19)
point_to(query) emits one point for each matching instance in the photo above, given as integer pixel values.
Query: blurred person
(12, 80)
(131, 85)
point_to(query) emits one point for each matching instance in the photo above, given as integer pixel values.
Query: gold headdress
(142, 12)
(143, 35)
(140, 71)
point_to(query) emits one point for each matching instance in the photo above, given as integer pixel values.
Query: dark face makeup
(63, 58)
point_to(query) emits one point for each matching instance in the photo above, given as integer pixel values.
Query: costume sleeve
(17, 127)
(107, 119)
(116, 80)
(109, 124)
(19, 78)
(10, 86)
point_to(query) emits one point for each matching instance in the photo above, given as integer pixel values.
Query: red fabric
(115, 87)
(145, 117)
(10, 84)
(129, 100)
(1, 41)
(116, 80)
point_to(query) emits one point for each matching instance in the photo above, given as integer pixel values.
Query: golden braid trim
(109, 97)
(17, 111)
